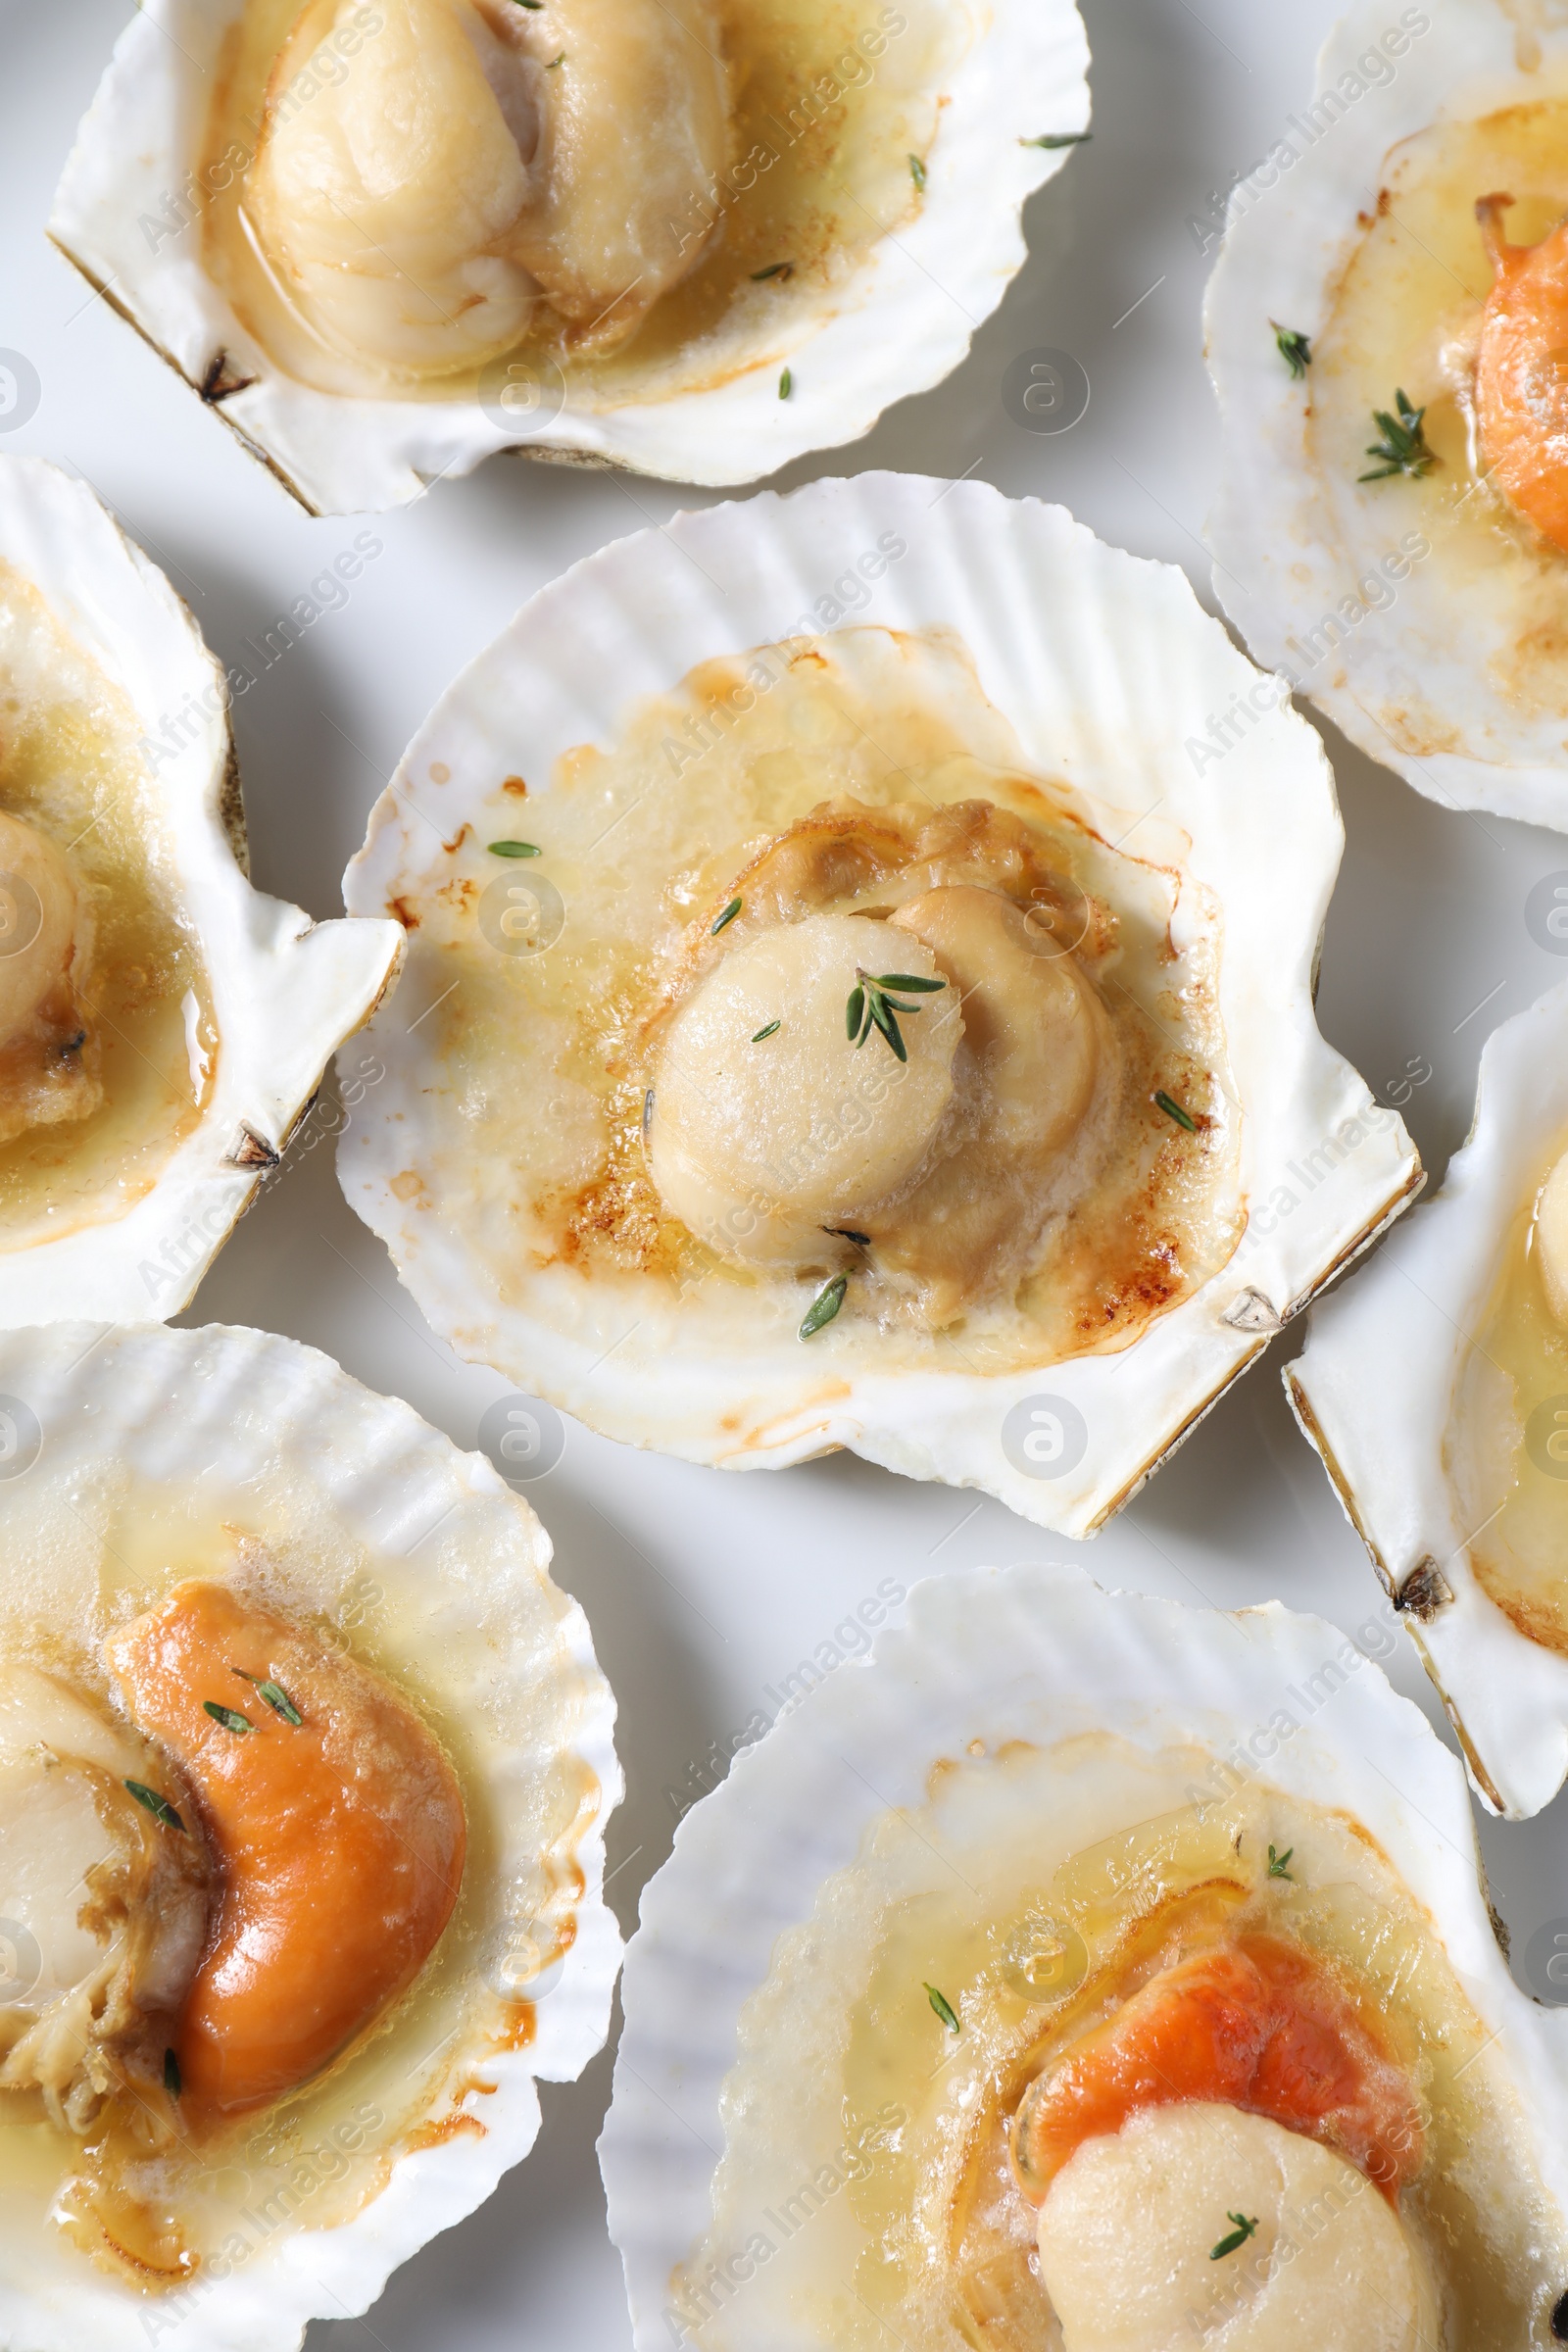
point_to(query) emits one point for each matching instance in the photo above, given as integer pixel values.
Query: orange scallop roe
(1258, 2024)
(1522, 372)
(339, 1840)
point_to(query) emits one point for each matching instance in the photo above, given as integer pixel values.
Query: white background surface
(703, 1588)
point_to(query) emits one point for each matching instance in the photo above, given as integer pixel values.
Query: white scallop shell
(901, 322)
(230, 1407)
(1374, 1390)
(1035, 1654)
(1108, 669)
(286, 992)
(1281, 570)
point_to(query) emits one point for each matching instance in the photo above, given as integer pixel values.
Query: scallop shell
(1405, 676)
(987, 1658)
(286, 992)
(1107, 670)
(92, 1409)
(1373, 1392)
(898, 324)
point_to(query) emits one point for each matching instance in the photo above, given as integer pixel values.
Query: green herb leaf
(515, 849)
(277, 1698)
(1403, 448)
(1277, 1862)
(172, 2082)
(870, 1007)
(847, 1233)
(1293, 348)
(773, 1030)
(944, 2009)
(786, 384)
(1174, 1110)
(229, 1717)
(1059, 138)
(556, 61)
(773, 269)
(530, 3)
(728, 916)
(887, 1021)
(1239, 2236)
(158, 1806)
(824, 1307)
(918, 171)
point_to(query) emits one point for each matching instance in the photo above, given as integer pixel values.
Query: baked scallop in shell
(388, 237)
(1435, 1386)
(1387, 327)
(162, 1023)
(304, 1765)
(846, 1016)
(1085, 1974)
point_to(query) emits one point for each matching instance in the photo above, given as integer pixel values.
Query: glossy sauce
(1407, 313)
(71, 763)
(1506, 1445)
(307, 2156)
(546, 1059)
(838, 181)
(1054, 1897)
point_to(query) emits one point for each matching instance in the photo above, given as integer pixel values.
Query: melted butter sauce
(1506, 1448)
(541, 1163)
(181, 2215)
(830, 99)
(71, 764)
(1083, 1868)
(1406, 315)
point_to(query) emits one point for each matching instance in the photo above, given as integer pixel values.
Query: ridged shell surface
(284, 992)
(1034, 1656)
(899, 322)
(225, 1415)
(1108, 671)
(1375, 1391)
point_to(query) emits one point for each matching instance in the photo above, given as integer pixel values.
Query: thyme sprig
(773, 1030)
(773, 269)
(1402, 446)
(158, 1806)
(944, 2009)
(1173, 1111)
(1059, 138)
(229, 1717)
(1279, 1864)
(870, 1006)
(1293, 348)
(786, 384)
(728, 916)
(514, 849)
(277, 1698)
(1237, 2237)
(824, 1307)
(918, 171)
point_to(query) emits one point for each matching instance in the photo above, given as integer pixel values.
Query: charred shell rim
(234, 1404)
(1036, 1654)
(1373, 1392)
(1291, 230)
(902, 324)
(1110, 698)
(285, 991)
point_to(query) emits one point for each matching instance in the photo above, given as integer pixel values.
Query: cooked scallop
(303, 1769)
(879, 1035)
(1084, 1973)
